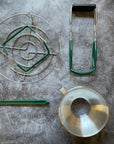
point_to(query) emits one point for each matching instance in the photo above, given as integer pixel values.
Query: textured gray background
(41, 125)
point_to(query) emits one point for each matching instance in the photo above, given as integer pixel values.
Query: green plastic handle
(94, 59)
(94, 54)
(23, 102)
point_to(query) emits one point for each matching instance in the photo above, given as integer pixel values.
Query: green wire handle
(23, 102)
(94, 59)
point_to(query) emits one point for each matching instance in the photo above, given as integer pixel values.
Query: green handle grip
(94, 54)
(94, 59)
(23, 102)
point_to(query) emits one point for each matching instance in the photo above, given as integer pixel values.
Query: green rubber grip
(23, 102)
(94, 59)
(94, 54)
(70, 54)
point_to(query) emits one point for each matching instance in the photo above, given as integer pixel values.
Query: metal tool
(32, 46)
(23, 102)
(89, 123)
(84, 8)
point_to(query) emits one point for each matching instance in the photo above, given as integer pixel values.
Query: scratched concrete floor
(41, 125)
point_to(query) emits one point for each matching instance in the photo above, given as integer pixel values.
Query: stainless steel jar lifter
(84, 8)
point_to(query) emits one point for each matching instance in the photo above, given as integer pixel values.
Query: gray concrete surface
(41, 125)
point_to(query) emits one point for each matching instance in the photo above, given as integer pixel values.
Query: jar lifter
(84, 8)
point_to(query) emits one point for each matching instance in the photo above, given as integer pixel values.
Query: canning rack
(30, 51)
